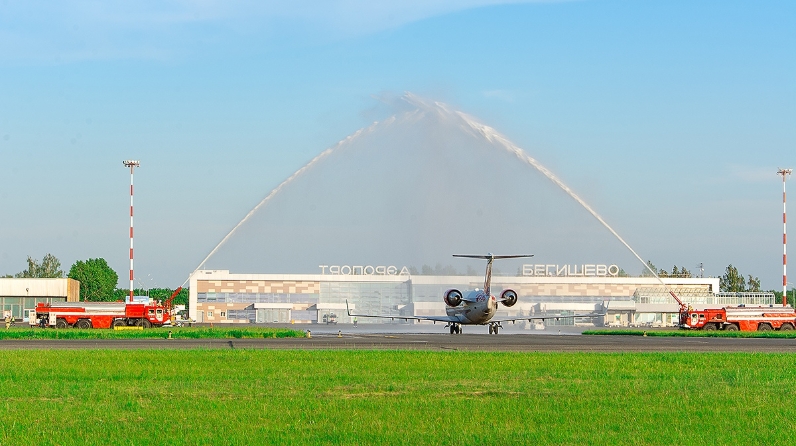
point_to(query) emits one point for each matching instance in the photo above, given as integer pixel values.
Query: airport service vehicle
(478, 306)
(744, 318)
(100, 314)
(734, 318)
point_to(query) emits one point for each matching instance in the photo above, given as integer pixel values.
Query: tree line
(97, 280)
(732, 281)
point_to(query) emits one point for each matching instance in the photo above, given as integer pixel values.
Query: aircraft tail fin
(489, 258)
(492, 256)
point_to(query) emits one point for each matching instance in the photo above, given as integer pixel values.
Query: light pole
(132, 164)
(784, 173)
(146, 286)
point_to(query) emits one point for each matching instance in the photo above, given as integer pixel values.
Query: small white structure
(20, 295)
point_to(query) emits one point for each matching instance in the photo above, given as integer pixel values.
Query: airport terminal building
(219, 296)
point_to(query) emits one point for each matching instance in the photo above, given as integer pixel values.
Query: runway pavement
(436, 342)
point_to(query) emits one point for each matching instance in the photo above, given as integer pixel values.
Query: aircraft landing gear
(493, 327)
(455, 328)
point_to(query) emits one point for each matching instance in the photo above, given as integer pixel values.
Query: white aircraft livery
(478, 306)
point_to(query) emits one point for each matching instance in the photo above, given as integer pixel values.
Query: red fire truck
(757, 318)
(734, 318)
(104, 314)
(100, 314)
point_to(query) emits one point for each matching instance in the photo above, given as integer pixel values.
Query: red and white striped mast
(784, 173)
(132, 164)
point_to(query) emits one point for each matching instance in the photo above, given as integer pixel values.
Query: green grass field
(151, 333)
(694, 333)
(393, 397)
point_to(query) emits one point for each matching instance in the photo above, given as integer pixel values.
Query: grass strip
(243, 397)
(696, 333)
(151, 333)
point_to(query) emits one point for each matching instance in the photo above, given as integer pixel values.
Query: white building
(18, 296)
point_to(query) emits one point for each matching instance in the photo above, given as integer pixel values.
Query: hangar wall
(20, 295)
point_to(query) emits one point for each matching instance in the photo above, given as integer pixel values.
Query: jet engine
(453, 298)
(509, 297)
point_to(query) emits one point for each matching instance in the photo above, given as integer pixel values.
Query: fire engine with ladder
(104, 314)
(734, 318)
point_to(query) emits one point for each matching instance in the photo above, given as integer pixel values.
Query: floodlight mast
(784, 173)
(132, 164)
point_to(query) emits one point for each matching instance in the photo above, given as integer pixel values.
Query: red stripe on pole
(131, 275)
(131, 254)
(131, 232)
(131, 210)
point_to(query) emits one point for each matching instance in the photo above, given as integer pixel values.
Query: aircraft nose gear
(455, 328)
(493, 327)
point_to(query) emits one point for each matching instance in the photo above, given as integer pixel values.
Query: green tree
(791, 297)
(49, 268)
(753, 284)
(732, 281)
(646, 271)
(182, 298)
(682, 272)
(161, 294)
(97, 279)
(447, 270)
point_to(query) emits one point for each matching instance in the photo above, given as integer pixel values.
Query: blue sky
(669, 117)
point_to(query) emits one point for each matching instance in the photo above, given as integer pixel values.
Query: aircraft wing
(551, 316)
(417, 318)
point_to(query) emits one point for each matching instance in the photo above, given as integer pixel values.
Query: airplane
(478, 306)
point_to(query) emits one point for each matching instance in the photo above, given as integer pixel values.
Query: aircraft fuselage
(477, 308)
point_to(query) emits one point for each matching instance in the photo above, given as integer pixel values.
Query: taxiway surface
(437, 342)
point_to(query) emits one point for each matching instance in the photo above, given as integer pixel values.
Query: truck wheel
(786, 327)
(119, 323)
(83, 324)
(731, 327)
(61, 323)
(145, 323)
(710, 327)
(763, 327)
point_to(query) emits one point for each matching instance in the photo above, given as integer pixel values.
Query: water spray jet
(471, 127)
